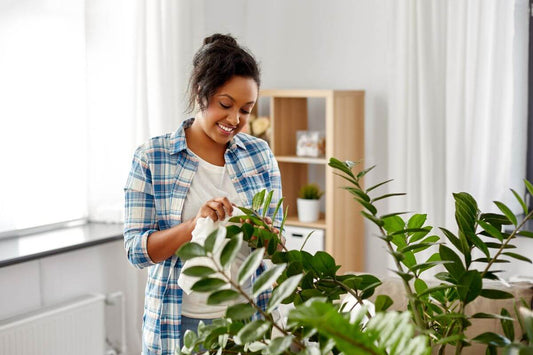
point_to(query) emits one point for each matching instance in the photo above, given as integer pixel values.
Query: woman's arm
(163, 244)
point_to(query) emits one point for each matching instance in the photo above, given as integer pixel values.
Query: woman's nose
(234, 118)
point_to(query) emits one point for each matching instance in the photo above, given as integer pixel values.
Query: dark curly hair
(216, 62)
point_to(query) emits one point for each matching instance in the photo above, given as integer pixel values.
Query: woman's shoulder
(156, 145)
(252, 142)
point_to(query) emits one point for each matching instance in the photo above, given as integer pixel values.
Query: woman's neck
(203, 146)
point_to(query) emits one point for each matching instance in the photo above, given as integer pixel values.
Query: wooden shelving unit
(344, 129)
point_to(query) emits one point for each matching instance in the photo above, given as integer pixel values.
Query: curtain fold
(159, 82)
(453, 126)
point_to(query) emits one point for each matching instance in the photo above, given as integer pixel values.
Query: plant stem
(251, 301)
(504, 244)
(410, 295)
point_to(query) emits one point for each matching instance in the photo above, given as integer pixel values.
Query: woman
(199, 171)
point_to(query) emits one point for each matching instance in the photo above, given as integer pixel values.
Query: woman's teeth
(225, 128)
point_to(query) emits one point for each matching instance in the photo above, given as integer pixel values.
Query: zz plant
(318, 322)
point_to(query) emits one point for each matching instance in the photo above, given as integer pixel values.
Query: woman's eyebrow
(232, 99)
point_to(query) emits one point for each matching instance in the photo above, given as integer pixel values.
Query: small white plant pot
(308, 210)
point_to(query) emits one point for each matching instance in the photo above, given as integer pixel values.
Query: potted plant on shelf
(308, 202)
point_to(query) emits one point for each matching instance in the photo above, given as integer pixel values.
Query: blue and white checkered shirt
(161, 174)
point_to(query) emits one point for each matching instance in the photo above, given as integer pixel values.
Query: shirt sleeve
(140, 215)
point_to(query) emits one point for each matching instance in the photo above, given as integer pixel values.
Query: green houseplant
(319, 324)
(308, 203)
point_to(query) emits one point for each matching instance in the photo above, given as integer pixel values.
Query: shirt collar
(179, 142)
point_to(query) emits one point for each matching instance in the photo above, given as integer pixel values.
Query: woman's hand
(271, 228)
(216, 209)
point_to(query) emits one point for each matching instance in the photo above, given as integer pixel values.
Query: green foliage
(310, 192)
(434, 319)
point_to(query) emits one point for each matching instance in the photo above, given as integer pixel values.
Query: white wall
(60, 278)
(315, 44)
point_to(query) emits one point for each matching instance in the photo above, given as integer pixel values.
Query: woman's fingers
(216, 209)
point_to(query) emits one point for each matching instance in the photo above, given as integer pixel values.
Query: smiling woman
(198, 172)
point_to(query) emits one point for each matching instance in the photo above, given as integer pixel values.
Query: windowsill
(20, 249)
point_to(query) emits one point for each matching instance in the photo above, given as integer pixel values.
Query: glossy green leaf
(252, 331)
(365, 171)
(240, 311)
(469, 286)
(357, 192)
(480, 244)
(520, 201)
(482, 315)
(529, 187)
(278, 206)
(279, 345)
(496, 294)
(526, 318)
(258, 199)
(435, 289)
(267, 279)
(284, 290)
(231, 250)
(387, 196)
(420, 285)
(210, 241)
(417, 221)
(382, 303)
(527, 234)
(266, 204)
(378, 185)
(369, 206)
(324, 264)
(250, 265)
(208, 285)
(272, 245)
(507, 212)
(221, 296)
(393, 224)
(507, 324)
(404, 275)
(198, 271)
(376, 220)
(190, 250)
(491, 230)
(452, 238)
(496, 219)
(189, 339)
(455, 267)
(491, 338)
(517, 256)
(465, 212)
(342, 166)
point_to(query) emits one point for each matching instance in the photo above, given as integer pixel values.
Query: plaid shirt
(161, 174)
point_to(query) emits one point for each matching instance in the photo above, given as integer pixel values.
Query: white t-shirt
(210, 181)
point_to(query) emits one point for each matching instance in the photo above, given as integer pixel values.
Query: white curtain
(455, 121)
(160, 73)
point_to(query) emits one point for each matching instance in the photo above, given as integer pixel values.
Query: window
(43, 115)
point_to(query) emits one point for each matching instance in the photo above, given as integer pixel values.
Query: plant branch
(504, 244)
(251, 301)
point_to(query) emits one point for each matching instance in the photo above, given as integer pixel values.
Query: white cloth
(194, 304)
(204, 227)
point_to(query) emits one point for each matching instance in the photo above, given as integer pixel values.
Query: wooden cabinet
(341, 117)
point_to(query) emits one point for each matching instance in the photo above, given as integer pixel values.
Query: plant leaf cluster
(320, 324)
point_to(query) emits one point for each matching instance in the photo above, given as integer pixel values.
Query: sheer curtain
(454, 122)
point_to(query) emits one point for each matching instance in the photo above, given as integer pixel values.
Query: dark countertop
(18, 249)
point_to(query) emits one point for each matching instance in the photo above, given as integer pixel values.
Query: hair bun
(220, 38)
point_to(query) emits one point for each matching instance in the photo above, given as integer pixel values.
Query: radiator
(76, 327)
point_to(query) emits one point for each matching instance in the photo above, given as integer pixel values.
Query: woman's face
(229, 109)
